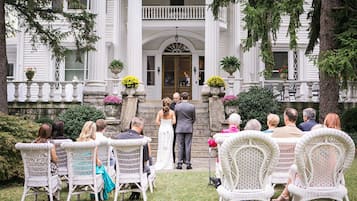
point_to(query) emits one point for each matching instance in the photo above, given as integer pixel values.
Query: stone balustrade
(301, 91)
(44, 91)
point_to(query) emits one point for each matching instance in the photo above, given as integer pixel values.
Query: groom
(185, 117)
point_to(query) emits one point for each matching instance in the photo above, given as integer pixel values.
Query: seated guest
(88, 133)
(99, 134)
(309, 115)
(137, 127)
(332, 120)
(272, 122)
(44, 135)
(290, 129)
(58, 130)
(253, 124)
(234, 121)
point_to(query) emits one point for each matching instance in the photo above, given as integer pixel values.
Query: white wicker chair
(322, 156)
(82, 175)
(61, 158)
(104, 151)
(152, 179)
(38, 178)
(286, 159)
(129, 165)
(247, 161)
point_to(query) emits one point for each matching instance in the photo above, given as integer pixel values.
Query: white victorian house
(163, 43)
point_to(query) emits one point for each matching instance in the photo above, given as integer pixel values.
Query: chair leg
(151, 187)
(144, 195)
(24, 194)
(70, 191)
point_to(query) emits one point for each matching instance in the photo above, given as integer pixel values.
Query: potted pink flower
(230, 103)
(112, 106)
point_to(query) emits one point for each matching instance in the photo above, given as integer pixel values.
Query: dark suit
(307, 125)
(185, 117)
(172, 107)
(132, 134)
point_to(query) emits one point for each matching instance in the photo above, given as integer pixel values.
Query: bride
(165, 119)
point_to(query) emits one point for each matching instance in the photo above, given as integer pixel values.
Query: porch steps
(201, 132)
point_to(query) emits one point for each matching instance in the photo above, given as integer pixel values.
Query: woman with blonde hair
(165, 118)
(88, 134)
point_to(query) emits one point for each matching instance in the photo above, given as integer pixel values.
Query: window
(280, 60)
(78, 4)
(74, 67)
(150, 70)
(10, 70)
(177, 2)
(201, 70)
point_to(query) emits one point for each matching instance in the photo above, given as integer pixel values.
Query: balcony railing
(44, 91)
(173, 12)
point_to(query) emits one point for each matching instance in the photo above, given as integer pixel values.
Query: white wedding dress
(164, 159)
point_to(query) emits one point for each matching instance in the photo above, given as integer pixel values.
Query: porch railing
(173, 12)
(302, 91)
(44, 91)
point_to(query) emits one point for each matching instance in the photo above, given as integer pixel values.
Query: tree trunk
(3, 60)
(329, 85)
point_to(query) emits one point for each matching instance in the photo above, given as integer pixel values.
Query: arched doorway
(177, 68)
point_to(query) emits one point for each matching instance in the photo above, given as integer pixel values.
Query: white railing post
(52, 91)
(75, 91)
(16, 93)
(63, 91)
(28, 91)
(40, 91)
(177, 13)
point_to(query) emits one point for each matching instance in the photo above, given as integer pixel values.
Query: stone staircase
(199, 151)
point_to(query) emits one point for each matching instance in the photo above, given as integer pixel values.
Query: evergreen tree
(37, 18)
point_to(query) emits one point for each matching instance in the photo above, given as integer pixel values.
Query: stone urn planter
(30, 73)
(215, 91)
(284, 76)
(130, 91)
(112, 111)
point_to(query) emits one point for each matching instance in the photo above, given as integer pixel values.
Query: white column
(134, 39)
(118, 29)
(235, 31)
(211, 43)
(97, 61)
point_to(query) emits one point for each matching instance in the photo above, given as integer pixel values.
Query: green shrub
(12, 130)
(44, 120)
(349, 123)
(257, 103)
(75, 117)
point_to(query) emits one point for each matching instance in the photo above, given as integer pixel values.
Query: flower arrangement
(130, 81)
(30, 72)
(215, 81)
(112, 100)
(230, 100)
(283, 69)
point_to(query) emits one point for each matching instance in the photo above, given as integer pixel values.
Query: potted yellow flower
(215, 83)
(131, 83)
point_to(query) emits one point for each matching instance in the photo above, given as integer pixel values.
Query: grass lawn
(174, 186)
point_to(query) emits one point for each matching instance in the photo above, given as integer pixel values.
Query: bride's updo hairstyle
(166, 105)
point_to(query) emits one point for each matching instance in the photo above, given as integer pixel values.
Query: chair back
(103, 153)
(61, 156)
(286, 159)
(247, 160)
(81, 162)
(129, 159)
(322, 156)
(36, 158)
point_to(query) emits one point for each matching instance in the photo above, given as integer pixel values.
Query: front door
(176, 74)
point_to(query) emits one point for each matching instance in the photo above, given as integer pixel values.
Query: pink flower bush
(112, 100)
(230, 100)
